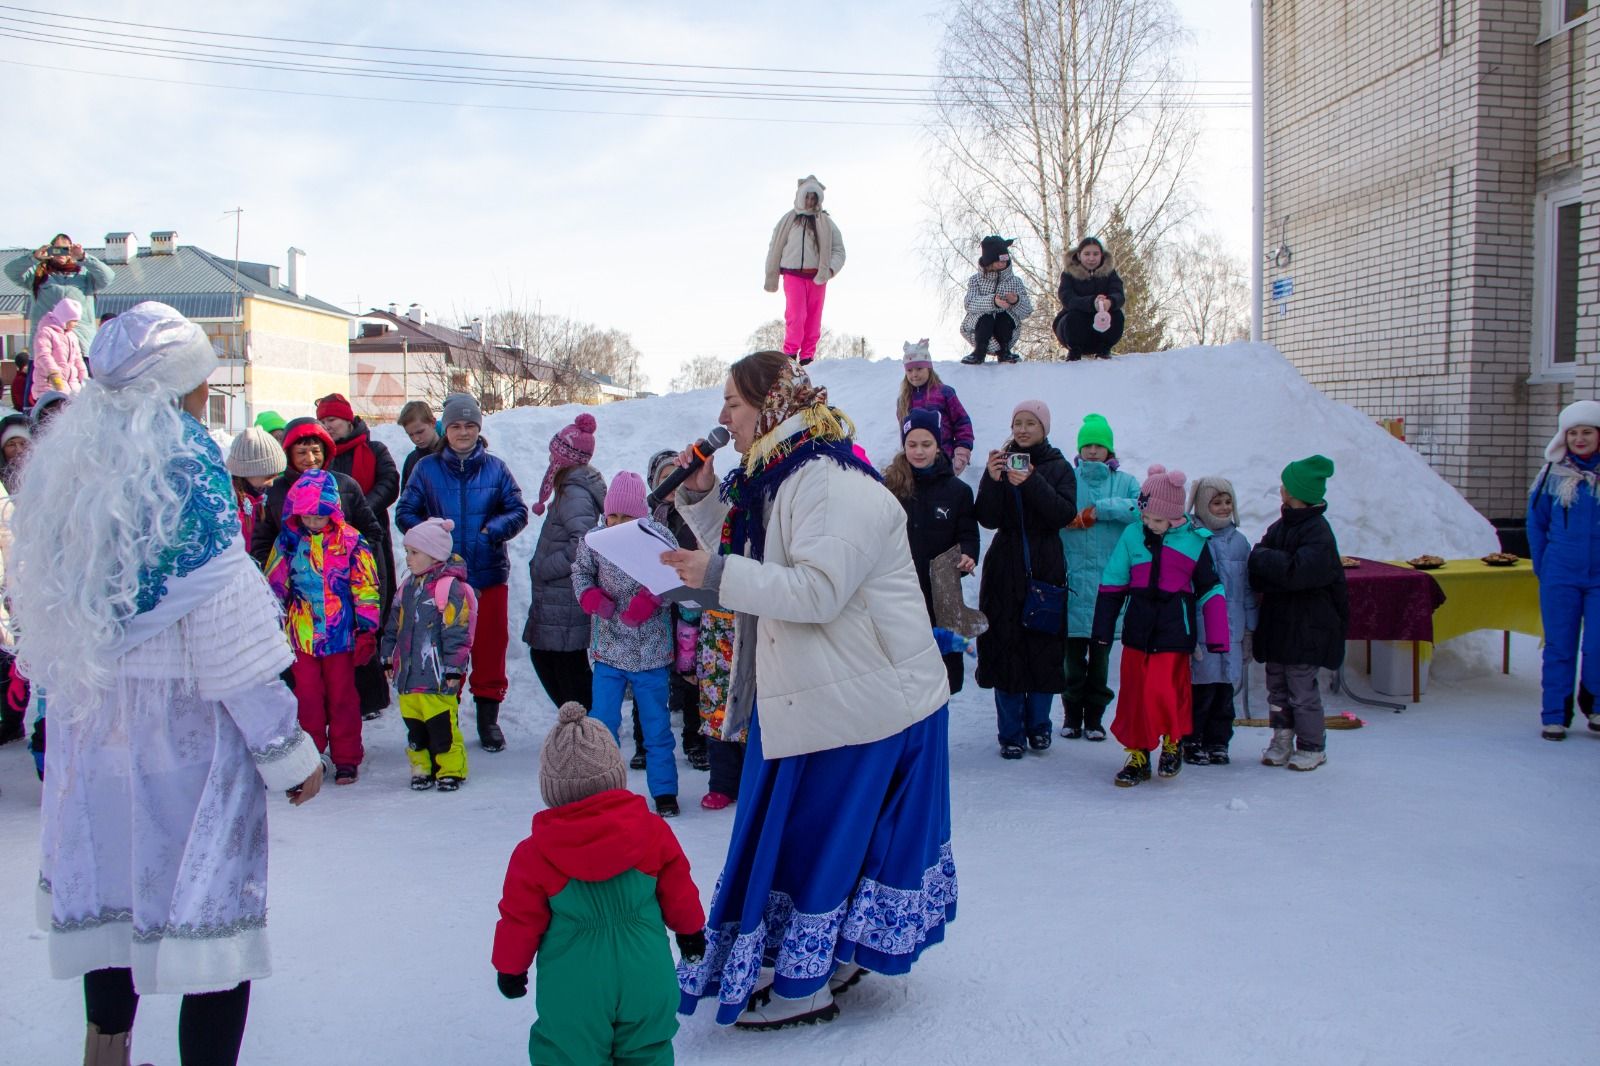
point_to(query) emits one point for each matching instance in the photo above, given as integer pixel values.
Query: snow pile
(1241, 411)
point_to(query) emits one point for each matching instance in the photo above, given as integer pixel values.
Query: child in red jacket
(587, 892)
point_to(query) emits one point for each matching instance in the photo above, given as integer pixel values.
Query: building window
(1560, 14)
(1574, 9)
(1556, 231)
(217, 410)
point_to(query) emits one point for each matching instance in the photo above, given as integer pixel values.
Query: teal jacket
(92, 278)
(1114, 496)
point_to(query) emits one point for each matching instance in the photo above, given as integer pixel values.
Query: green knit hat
(271, 421)
(1096, 430)
(1307, 479)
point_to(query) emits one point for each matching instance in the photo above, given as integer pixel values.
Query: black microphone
(701, 450)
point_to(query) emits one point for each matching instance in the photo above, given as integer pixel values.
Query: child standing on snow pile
(57, 353)
(324, 574)
(587, 894)
(1162, 570)
(1108, 502)
(807, 252)
(1090, 320)
(1564, 539)
(255, 459)
(631, 641)
(428, 645)
(997, 305)
(1304, 613)
(1215, 678)
(922, 390)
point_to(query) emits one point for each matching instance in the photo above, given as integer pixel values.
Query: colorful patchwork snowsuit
(428, 643)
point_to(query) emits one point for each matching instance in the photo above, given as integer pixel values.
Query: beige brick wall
(1405, 145)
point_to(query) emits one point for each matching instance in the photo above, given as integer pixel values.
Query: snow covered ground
(1425, 897)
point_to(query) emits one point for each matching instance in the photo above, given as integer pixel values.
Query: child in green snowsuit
(588, 892)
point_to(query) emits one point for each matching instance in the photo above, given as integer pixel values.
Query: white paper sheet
(634, 549)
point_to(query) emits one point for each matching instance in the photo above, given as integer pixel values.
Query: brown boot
(107, 1049)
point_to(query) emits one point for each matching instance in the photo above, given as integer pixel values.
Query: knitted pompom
(571, 712)
(1155, 468)
(1176, 477)
(447, 524)
(584, 422)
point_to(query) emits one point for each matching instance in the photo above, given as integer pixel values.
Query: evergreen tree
(1145, 328)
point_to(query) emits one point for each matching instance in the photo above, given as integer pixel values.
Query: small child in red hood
(588, 892)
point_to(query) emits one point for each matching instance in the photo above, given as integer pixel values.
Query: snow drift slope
(1241, 411)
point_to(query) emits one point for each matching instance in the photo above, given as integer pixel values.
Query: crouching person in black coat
(1090, 320)
(1304, 613)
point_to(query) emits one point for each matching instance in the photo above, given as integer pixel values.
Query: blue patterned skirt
(837, 856)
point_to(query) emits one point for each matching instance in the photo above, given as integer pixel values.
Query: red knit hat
(1161, 495)
(334, 405)
(573, 446)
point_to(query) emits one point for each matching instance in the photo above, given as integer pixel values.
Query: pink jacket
(57, 355)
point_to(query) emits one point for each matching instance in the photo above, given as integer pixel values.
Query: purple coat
(955, 426)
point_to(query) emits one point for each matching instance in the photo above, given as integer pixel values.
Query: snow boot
(667, 806)
(1008, 356)
(1093, 732)
(1277, 753)
(1307, 760)
(1072, 732)
(1171, 760)
(716, 801)
(699, 758)
(1554, 732)
(974, 358)
(489, 735)
(845, 976)
(421, 782)
(345, 775)
(449, 784)
(1217, 756)
(1040, 741)
(1195, 755)
(638, 760)
(1136, 769)
(780, 1013)
(1011, 751)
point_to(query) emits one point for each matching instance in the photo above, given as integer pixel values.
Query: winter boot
(1554, 732)
(345, 774)
(667, 806)
(1195, 755)
(699, 758)
(973, 358)
(1307, 760)
(638, 760)
(1011, 751)
(1040, 741)
(1008, 356)
(489, 735)
(421, 782)
(1072, 723)
(1277, 753)
(449, 784)
(716, 801)
(1217, 756)
(1093, 727)
(845, 976)
(1135, 770)
(1171, 760)
(780, 1013)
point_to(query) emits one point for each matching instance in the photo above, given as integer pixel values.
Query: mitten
(640, 608)
(366, 647)
(58, 382)
(1084, 519)
(961, 459)
(452, 683)
(692, 946)
(1102, 321)
(17, 692)
(512, 985)
(593, 601)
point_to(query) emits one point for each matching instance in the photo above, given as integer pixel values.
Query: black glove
(512, 985)
(692, 946)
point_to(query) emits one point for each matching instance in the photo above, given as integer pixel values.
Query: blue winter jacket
(1114, 496)
(1564, 522)
(1230, 554)
(480, 496)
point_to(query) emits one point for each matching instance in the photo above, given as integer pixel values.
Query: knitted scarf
(750, 488)
(363, 462)
(1562, 480)
(42, 272)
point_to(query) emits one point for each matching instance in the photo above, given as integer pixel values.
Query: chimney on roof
(394, 308)
(474, 329)
(416, 314)
(297, 272)
(163, 241)
(121, 247)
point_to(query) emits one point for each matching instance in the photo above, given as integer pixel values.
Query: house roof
(192, 280)
(458, 348)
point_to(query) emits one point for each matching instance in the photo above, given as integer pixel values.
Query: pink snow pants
(802, 315)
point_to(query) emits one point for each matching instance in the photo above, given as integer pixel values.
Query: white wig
(97, 507)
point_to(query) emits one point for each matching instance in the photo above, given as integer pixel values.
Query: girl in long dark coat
(1022, 665)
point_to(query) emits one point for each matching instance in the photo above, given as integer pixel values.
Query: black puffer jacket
(1080, 285)
(1305, 611)
(1011, 657)
(939, 516)
(381, 496)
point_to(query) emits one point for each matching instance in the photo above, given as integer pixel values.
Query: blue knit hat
(920, 418)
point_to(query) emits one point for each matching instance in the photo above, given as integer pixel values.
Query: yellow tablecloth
(1478, 596)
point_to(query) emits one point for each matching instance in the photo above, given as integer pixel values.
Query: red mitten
(366, 648)
(640, 608)
(17, 692)
(593, 601)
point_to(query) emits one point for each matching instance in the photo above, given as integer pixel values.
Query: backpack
(441, 600)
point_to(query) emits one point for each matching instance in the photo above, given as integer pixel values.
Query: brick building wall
(1405, 146)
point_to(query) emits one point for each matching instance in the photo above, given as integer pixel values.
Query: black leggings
(999, 326)
(565, 675)
(210, 1025)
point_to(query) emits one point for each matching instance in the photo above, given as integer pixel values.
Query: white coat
(843, 651)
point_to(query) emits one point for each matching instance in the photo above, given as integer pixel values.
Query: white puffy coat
(843, 650)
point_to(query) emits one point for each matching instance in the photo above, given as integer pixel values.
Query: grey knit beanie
(1202, 492)
(459, 407)
(579, 759)
(255, 453)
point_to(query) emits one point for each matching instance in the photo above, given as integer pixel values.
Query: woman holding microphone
(840, 858)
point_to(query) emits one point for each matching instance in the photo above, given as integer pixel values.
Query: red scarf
(363, 463)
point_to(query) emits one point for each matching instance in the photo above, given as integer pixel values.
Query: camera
(1018, 461)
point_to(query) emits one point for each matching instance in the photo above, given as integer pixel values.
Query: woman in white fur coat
(159, 645)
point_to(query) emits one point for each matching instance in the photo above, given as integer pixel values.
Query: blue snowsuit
(1564, 535)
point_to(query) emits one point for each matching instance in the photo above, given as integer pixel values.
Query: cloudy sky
(652, 218)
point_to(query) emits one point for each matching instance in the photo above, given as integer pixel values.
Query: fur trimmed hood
(1078, 272)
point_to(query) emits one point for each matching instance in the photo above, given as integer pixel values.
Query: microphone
(702, 450)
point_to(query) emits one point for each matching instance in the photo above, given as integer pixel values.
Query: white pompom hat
(1580, 413)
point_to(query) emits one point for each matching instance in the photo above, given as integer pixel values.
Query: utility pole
(238, 319)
